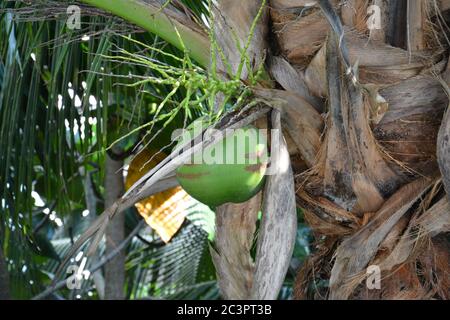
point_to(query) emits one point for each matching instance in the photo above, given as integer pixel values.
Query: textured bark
(235, 227)
(397, 23)
(416, 39)
(443, 152)
(353, 14)
(91, 205)
(337, 174)
(300, 119)
(443, 139)
(380, 34)
(278, 228)
(233, 21)
(292, 81)
(354, 254)
(372, 198)
(115, 232)
(299, 38)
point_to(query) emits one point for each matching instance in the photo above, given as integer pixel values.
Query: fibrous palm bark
(362, 103)
(376, 178)
(115, 232)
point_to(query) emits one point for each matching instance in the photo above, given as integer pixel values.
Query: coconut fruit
(230, 170)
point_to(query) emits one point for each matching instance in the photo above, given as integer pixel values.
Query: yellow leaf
(164, 211)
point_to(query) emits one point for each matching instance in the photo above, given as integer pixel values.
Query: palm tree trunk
(91, 205)
(372, 172)
(115, 232)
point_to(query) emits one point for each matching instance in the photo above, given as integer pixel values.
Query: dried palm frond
(383, 115)
(235, 228)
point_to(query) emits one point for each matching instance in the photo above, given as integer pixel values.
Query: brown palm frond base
(373, 196)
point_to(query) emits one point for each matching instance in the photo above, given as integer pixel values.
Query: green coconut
(231, 170)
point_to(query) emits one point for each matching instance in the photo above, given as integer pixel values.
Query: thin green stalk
(150, 18)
